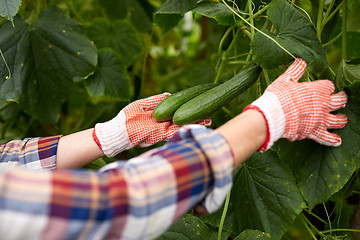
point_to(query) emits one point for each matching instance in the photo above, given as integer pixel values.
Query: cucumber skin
(165, 110)
(210, 101)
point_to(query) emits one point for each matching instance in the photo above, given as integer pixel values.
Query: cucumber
(164, 111)
(210, 101)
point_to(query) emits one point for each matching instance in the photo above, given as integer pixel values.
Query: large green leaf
(119, 35)
(295, 33)
(45, 59)
(171, 12)
(190, 227)
(9, 8)
(110, 78)
(264, 197)
(322, 171)
(218, 11)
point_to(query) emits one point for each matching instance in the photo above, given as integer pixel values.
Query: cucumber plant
(129, 49)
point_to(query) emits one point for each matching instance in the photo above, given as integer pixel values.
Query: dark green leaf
(322, 171)
(264, 197)
(171, 12)
(132, 10)
(14, 44)
(295, 33)
(9, 8)
(191, 228)
(119, 35)
(221, 13)
(110, 78)
(253, 234)
(45, 60)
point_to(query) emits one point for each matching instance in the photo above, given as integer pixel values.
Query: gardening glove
(296, 111)
(135, 126)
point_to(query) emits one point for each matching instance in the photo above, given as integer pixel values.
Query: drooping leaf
(171, 12)
(45, 60)
(295, 33)
(9, 8)
(119, 35)
(264, 197)
(349, 71)
(190, 227)
(322, 171)
(218, 11)
(110, 78)
(253, 234)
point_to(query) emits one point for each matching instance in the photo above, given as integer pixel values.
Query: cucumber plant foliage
(72, 58)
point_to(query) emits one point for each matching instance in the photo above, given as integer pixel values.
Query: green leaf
(218, 11)
(295, 33)
(110, 78)
(354, 16)
(264, 197)
(170, 13)
(132, 10)
(15, 46)
(253, 234)
(9, 8)
(119, 35)
(322, 171)
(190, 227)
(45, 60)
(349, 71)
(95, 165)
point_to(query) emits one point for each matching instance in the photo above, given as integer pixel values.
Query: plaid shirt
(135, 199)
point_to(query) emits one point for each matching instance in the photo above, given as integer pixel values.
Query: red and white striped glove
(298, 110)
(135, 126)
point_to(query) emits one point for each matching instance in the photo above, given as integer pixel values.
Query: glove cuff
(269, 106)
(112, 135)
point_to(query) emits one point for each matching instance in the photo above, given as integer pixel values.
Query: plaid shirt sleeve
(136, 199)
(32, 153)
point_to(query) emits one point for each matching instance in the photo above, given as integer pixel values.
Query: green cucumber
(210, 101)
(164, 111)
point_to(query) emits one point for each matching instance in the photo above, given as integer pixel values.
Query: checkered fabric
(135, 126)
(129, 200)
(297, 111)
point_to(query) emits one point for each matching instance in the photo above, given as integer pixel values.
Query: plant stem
(340, 230)
(307, 227)
(328, 217)
(7, 66)
(222, 220)
(332, 40)
(251, 18)
(319, 19)
(344, 28)
(327, 19)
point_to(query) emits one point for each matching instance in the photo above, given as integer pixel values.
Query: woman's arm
(139, 198)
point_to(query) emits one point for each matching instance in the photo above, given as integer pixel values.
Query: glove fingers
(205, 121)
(338, 101)
(326, 138)
(151, 102)
(336, 121)
(294, 71)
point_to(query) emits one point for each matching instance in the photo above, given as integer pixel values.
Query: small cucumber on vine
(164, 111)
(210, 101)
